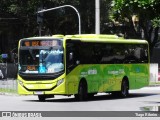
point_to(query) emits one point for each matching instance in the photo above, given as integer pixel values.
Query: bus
(81, 65)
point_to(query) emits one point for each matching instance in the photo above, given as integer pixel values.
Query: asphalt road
(139, 100)
(147, 98)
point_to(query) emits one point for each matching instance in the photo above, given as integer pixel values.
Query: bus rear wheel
(124, 89)
(82, 91)
(124, 92)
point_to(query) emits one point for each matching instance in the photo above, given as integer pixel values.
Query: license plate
(38, 92)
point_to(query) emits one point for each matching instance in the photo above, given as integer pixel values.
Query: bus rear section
(96, 63)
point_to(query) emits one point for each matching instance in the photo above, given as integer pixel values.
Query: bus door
(72, 62)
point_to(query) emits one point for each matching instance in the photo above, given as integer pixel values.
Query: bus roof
(92, 38)
(104, 38)
(101, 36)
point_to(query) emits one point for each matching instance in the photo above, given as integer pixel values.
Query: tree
(144, 15)
(24, 12)
(20, 19)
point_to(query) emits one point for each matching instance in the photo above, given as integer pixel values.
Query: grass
(154, 83)
(7, 90)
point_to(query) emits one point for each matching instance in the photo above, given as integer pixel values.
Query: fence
(8, 70)
(8, 74)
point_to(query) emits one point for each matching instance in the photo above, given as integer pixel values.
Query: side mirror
(70, 56)
(77, 62)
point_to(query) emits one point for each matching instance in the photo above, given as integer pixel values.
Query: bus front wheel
(82, 91)
(41, 98)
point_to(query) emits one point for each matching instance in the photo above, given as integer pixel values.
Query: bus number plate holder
(38, 92)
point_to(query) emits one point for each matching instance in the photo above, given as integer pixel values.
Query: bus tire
(82, 91)
(124, 88)
(41, 98)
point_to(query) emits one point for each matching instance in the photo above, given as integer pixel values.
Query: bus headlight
(60, 81)
(20, 82)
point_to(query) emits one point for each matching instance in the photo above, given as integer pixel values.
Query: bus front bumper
(57, 87)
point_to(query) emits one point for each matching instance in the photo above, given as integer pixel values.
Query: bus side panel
(94, 78)
(114, 74)
(130, 74)
(91, 73)
(121, 70)
(142, 75)
(137, 74)
(72, 81)
(109, 77)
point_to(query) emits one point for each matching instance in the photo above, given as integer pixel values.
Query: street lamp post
(97, 16)
(79, 19)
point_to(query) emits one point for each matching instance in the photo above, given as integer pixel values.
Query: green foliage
(62, 21)
(126, 8)
(156, 22)
(146, 10)
(19, 7)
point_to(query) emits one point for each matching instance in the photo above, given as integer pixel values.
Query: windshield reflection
(41, 60)
(52, 60)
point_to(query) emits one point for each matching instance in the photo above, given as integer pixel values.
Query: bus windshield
(40, 59)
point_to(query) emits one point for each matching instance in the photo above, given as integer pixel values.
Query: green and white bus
(81, 65)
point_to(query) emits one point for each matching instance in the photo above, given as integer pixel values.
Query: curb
(156, 85)
(9, 94)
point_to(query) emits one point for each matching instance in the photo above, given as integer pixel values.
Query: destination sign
(32, 43)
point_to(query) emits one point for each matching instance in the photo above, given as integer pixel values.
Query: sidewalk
(156, 87)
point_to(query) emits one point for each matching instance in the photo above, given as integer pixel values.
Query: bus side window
(97, 54)
(71, 56)
(143, 54)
